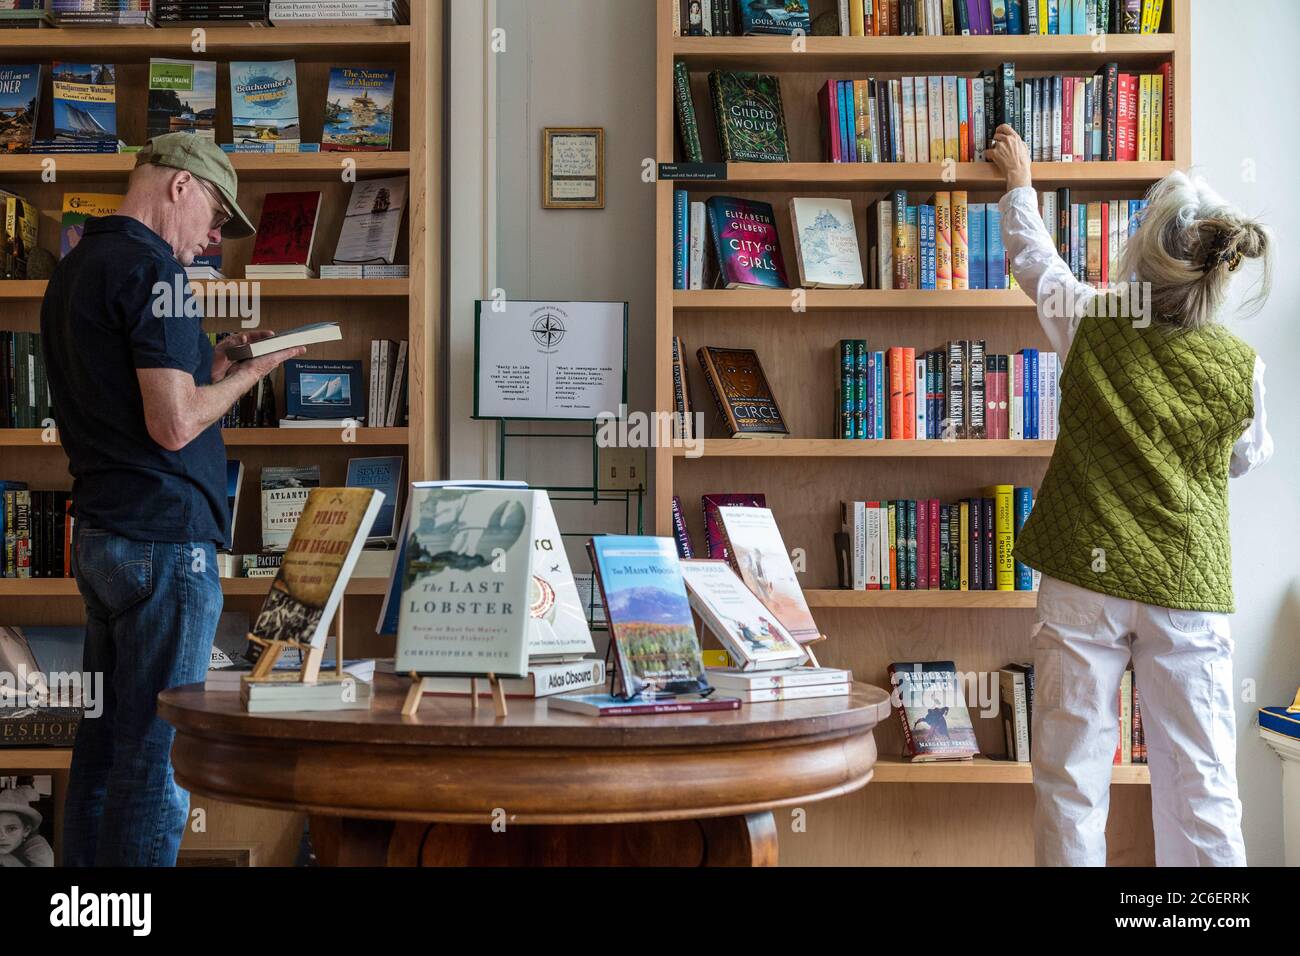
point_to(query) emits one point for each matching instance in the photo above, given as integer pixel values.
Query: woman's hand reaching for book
(1011, 156)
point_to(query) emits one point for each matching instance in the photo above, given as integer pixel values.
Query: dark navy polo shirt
(99, 323)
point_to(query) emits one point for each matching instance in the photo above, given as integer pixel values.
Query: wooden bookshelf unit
(365, 309)
(808, 474)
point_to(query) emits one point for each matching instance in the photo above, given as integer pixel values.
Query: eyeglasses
(222, 214)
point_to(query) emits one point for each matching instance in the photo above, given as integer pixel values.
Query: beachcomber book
(936, 723)
(649, 614)
(264, 102)
(746, 246)
(85, 105)
(77, 208)
(465, 581)
(359, 109)
(760, 558)
(285, 490)
(327, 540)
(20, 100)
(182, 97)
(749, 116)
(747, 629)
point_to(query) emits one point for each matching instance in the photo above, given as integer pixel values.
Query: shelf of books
(839, 337)
(345, 150)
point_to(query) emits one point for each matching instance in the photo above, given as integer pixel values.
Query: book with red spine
(287, 229)
(897, 378)
(1126, 122)
(829, 102)
(909, 392)
(1067, 121)
(715, 542)
(1167, 133)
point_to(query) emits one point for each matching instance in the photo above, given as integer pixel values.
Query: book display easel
(365, 309)
(910, 813)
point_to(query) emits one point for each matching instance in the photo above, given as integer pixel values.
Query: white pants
(1182, 662)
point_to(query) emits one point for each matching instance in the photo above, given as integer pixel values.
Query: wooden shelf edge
(984, 770)
(967, 600)
(129, 43)
(819, 300)
(35, 758)
(246, 437)
(762, 176)
(250, 166)
(865, 448)
(22, 290)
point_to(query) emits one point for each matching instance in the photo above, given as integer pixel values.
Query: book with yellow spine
(1003, 535)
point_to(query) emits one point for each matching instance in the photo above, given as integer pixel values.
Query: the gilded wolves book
(466, 581)
(746, 244)
(182, 97)
(760, 557)
(326, 542)
(649, 614)
(936, 723)
(747, 629)
(749, 116)
(264, 102)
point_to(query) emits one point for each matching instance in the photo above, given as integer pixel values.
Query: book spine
(680, 534)
(921, 401)
(922, 512)
(977, 278)
(848, 389)
(889, 580)
(1167, 125)
(955, 413)
(687, 125)
(1004, 537)
(872, 544)
(943, 240)
(681, 231)
(861, 367)
(873, 377)
(899, 206)
(976, 390)
(896, 379)
(960, 249)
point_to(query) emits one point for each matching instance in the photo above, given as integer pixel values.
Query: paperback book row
(948, 243)
(358, 107)
(936, 723)
(1063, 118)
(998, 17)
(200, 13)
(926, 545)
(918, 17)
(24, 389)
(36, 528)
(955, 392)
(1091, 236)
(1108, 116)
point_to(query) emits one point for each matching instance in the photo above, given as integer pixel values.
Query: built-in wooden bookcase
(391, 309)
(807, 475)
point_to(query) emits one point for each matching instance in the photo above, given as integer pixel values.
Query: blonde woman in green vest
(1159, 406)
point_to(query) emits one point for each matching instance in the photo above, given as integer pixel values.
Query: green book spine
(687, 126)
(859, 388)
(848, 390)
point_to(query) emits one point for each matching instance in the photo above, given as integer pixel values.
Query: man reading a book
(139, 391)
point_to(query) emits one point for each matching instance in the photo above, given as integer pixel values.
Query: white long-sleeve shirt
(1047, 279)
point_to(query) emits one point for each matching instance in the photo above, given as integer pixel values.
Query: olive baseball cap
(204, 159)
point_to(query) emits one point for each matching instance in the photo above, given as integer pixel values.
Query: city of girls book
(359, 109)
(746, 244)
(749, 116)
(20, 100)
(760, 557)
(752, 635)
(85, 104)
(264, 102)
(182, 97)
(649, 615)
(327, 540)
(465, 581)
(936, 723)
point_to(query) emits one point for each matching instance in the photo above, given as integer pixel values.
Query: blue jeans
(151, 615)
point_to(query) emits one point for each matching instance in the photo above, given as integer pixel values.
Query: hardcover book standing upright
(750, 119)
(649, 616)
(936, 723)
(781, 17)
(740, 389)
(826, 243)
(329, 390)
(745, 241)
(287, 229)
(284, 493)
(747, 629)
(85, 104)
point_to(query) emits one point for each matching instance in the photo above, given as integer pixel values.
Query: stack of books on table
(793, 683)
(345, 12)
(204, 13)
(283, 692)
(102, 13)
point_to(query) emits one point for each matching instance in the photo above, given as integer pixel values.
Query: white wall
(1245, 142)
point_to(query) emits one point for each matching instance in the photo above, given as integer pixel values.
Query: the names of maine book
(359, 109)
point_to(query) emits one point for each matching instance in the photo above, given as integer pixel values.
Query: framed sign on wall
(573, 167)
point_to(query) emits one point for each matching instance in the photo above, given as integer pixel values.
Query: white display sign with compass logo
(539, 360)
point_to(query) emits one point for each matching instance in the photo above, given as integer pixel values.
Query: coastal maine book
(465, 581)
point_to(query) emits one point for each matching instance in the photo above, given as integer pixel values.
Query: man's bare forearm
(213, 401)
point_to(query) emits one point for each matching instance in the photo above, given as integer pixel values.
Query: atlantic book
(649, 614)
(359, 109)
(285, 489)
(264, 102)
(745, 243)
(182, 97)
(749, 117)
(465, 581)
(741, 392)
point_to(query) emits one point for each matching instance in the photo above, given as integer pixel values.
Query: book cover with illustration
(85, 103)
(325, 389)
(285, 489)
(741, 393)
(715, 541)
(826, 243)
(746, 244)
(649, 616)
(264, 102)
(359, 109)
(182, 97)
(749, 116)
(20, 102)
(465, 581)
(558, 627)
(783, 17)
(287, 229)
(760, 557)
(936, 723)
(383, 474)
(746, 628)
(327, 539)
(77, 208)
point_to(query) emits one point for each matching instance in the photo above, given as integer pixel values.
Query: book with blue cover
(323, 389)
(359, 109)
(382, 474)
(264, 102)
(85, 104)
(20, 100)
(781, 17)
(975, 220)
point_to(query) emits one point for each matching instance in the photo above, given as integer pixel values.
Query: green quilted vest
(1135, 500)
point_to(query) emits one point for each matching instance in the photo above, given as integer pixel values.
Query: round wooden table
(451, 786)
